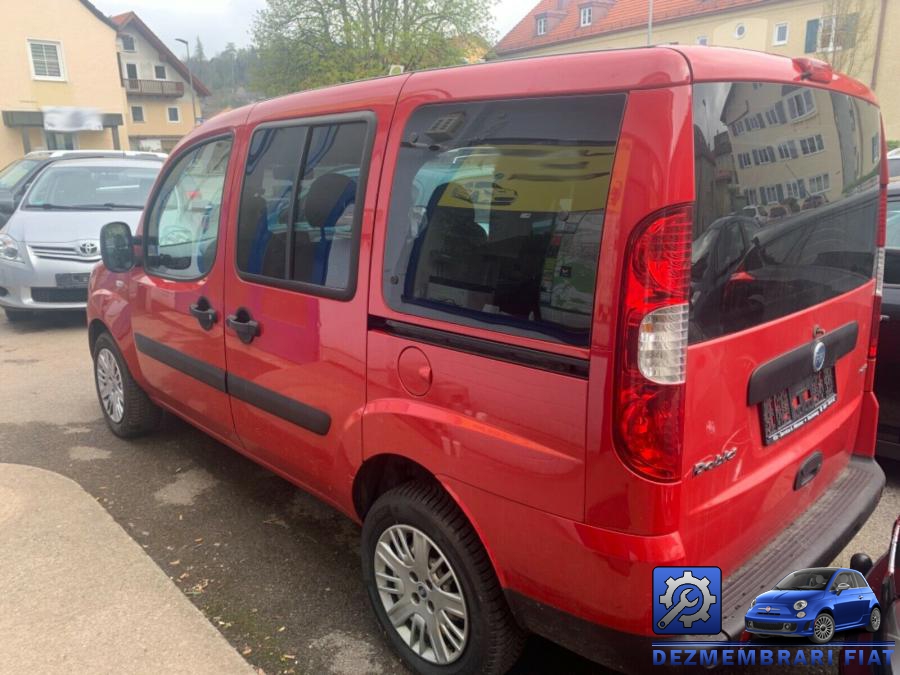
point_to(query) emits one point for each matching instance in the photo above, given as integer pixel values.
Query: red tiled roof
(623, 15)
(122, 20)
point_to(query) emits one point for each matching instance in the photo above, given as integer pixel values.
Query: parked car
(887, 374)
(815, 603)
(759, 213)
(16, 176)
(512, 392)
(51, 241)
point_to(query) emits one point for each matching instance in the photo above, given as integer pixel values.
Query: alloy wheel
(421, 594)
(109, 384)
(875, 619)
(823, 628)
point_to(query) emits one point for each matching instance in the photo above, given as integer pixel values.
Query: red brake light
(814, 69)
(653, 345)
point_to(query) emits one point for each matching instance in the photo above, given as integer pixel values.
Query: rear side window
(299, 222)
(787, 182)
(496, 213)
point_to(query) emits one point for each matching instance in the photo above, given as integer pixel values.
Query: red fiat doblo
(523, 322)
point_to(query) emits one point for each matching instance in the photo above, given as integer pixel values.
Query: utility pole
(650, 23)
(187, 50)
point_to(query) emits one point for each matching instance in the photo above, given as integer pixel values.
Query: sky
(219, 22)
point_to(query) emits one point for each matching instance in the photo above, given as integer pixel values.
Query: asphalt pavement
(276, 572)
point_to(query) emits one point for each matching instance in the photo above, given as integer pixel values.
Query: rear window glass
(892, 243)
(497, 212)
(787, 201)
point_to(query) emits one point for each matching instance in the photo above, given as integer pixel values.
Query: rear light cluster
(653, 343)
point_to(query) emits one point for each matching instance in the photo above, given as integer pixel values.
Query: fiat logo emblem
(819, 356)
(768, 609)
(88, 248)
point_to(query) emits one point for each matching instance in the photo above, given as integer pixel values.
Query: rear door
(177, 311)
(779, 334)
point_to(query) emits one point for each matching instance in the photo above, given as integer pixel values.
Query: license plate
(74, 280)
(790, 409)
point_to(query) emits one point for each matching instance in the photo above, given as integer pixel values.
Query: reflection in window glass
(183, 227)
(806, 215)
(497, 212)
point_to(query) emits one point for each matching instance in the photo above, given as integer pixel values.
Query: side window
(860, 581)
(183, 227)
(842, 578)
(496, 213)
(299, 220)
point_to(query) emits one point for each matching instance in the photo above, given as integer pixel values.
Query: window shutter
(812, 35)
(851, 22)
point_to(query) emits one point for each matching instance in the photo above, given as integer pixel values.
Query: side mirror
(117, 247)
(861, 563)
(842, 587)
(7, 203)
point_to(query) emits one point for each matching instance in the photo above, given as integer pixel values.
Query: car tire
(17, 315)
(823, 629)
(445, 585)
(127, 409)
(874, 620)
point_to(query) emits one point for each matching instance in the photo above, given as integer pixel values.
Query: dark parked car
(888, 369)
(16, 176)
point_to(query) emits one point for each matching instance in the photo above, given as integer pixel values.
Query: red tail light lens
(653, 345)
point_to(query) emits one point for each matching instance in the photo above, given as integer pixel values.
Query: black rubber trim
(523, 356)
(301, 414)
(796, 365)
(811, 540)
(199, 370)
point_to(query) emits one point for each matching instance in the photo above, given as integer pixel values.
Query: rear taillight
(653, 341)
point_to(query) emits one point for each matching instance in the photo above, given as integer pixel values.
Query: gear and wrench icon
(701, 584)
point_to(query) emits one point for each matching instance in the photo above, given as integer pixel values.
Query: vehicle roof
(67, 154)
(107, 161)
(559, 74)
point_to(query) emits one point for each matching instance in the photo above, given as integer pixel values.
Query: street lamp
(187, 50)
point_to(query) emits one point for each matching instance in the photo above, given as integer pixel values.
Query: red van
(513, 319)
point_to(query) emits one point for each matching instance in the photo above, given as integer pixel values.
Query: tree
(308, 43)
(199, 56)
(846, 37)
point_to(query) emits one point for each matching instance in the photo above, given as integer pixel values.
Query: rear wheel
(128, 411)
(823, 629)
(17, 315)
(432, 585)
(874, 620)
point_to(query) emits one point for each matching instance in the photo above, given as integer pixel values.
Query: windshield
(894, 166)
(94, 187)
(805, 580)
(14, 172)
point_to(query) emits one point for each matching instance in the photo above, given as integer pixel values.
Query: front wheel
(432, 585)
(128, 410)
(874, 620)
(823, 629)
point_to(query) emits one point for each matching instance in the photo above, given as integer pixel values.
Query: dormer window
(541, 25)
(127, 43)
(587, 16)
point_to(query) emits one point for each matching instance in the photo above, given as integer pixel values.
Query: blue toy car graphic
(815, 603)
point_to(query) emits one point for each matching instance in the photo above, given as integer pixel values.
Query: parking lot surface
(273, 569)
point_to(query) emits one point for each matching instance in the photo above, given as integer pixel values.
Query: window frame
(703, 40)
(58, 45)
(133, 43)
(540, 25)
(787, 34)
(370, 119)
(171, 165)
(156, 76)
(169, 109)
(143, 117)
(585, 12)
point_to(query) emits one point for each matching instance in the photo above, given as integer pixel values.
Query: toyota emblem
(88, 248)
(819, 352)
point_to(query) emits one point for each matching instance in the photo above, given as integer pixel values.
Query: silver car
(51, 242)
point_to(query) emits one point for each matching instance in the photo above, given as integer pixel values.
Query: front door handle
(204, 313)
(243, 324)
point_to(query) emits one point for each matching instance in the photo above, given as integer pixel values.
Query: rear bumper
(814, 538)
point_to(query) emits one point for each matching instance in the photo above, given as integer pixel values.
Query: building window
(131, 71)
(587, 16)
(137, 113)
(744, 160)
(787, 150)
(541, 26)
(703, 40)
(764, 155)
(737, 128)
(795, 189)
(750, 194)
(127, 43)
(57, 140)
(159, 72)
(772, 194)
(812, 145)
(46, 60)
(801, 104)
(780, 36)
(740, 31)
(755, 122)
(819, 184)
(174, 114)
(775, 114)
(837, 32)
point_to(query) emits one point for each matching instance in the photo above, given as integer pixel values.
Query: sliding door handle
(243, 324)
(204, 313)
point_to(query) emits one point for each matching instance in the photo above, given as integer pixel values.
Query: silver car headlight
(753, 602)
(800, 604)
(10, 249)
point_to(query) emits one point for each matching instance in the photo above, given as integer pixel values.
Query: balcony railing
(154, 87)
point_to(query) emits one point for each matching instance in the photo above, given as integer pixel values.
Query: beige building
(854, 35)
(158, 87)
(59, 54)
